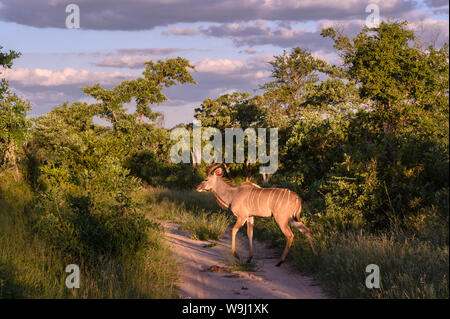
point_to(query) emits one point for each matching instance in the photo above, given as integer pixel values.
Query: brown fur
(249, 200)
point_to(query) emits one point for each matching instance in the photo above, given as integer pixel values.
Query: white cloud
(181, 31)
(254, 69)
(221, 91)
(67, 76)
(220, 66)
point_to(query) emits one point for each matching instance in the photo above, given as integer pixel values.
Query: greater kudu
(248, 200)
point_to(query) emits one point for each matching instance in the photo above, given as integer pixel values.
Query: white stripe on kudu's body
(248, 200)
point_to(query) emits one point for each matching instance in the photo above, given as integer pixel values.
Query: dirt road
(208, 272)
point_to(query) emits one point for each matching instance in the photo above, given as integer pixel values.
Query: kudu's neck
(224, 193)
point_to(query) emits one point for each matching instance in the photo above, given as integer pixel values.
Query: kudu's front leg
(250, 223)
(239, 223)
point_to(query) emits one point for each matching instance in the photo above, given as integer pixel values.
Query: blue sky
(229, 42)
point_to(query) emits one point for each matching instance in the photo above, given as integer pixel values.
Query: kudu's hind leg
(239, 223)
(305, 231)
(250, 223)
(284, 226)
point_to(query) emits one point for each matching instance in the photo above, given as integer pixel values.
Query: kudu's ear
(218, 172)
(212, 168)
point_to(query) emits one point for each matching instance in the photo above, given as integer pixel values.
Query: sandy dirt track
(206, 272)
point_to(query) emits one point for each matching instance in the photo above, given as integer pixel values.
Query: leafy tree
(6, 61)
(334, 95)
(13, 122)
(295, 74)
(145, 90)
(236, 110)
(13, 127)
(397, 77)
(228, 111)
(373, 133)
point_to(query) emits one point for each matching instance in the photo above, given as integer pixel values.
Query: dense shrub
(99, 218)
(156, 170)
(356, 177)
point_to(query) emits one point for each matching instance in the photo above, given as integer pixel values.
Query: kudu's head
(210, 182)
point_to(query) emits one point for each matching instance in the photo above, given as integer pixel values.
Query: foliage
(13, 117)
(31, 268)
(96, 218)
(13, 126)
(384, 160)
(410, 268)
(6, 61)
(396, 77)
(364, 142)
(229, 111)
(295, 75)
(145, 91)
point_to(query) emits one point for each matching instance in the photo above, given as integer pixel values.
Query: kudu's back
(265, 202)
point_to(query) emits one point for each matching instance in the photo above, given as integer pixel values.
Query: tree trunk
(196, 155)
(246, 168)
(194, 164)
(10, 158)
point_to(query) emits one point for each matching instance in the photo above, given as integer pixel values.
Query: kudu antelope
(249, 200)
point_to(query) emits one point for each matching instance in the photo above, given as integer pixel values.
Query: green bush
(99, 218)
(33, 267)
(155, 170)
(355, 177)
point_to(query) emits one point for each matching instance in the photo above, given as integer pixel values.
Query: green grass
(244, 266)
(205, 226)
(195, 212)
(29, 268)
(409, 267)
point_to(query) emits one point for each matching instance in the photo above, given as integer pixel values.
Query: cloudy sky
(229, 42)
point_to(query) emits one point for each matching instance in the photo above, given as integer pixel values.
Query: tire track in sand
(266, 282)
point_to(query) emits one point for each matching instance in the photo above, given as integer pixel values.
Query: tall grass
(30, 268)
(409, 267)
(205, 226)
